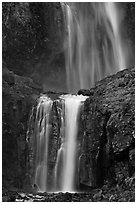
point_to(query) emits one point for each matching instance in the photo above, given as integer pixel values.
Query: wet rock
(115, 193)
(98, 196)
(94, 141)
(84, 92)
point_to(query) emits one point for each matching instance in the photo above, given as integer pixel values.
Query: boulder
(84, 92)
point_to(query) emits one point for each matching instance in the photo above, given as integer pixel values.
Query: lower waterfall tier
(106, 134)
(104, 141)
(63, 174)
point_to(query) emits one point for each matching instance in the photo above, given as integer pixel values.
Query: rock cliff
(18, 96)
(109, 119)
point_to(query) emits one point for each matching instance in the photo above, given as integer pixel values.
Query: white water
(69, 143)
(64, 171)
(42, 129)
(94, 47)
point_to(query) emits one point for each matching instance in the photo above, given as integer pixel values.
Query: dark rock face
(32, 41)
(109, 130)
(18, 95)
(84, 92)
(94, 141)
(40, 24)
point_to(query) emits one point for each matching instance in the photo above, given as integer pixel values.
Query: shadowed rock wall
(18, 96)
(109, 116)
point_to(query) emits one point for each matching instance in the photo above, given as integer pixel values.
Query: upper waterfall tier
(94, 45)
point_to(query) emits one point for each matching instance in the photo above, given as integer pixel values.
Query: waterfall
(41, 137)
(71, 114)
(94, 47)
(64, 171)
(93, 50)
(69, 144)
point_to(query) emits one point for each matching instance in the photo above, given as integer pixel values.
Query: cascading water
(93, 45)
(41, 137)
(64, 171)
(68, 149)
(71, 114)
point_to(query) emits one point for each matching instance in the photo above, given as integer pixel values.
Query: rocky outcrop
(104, 194)
(109, 117)
(18, 95)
